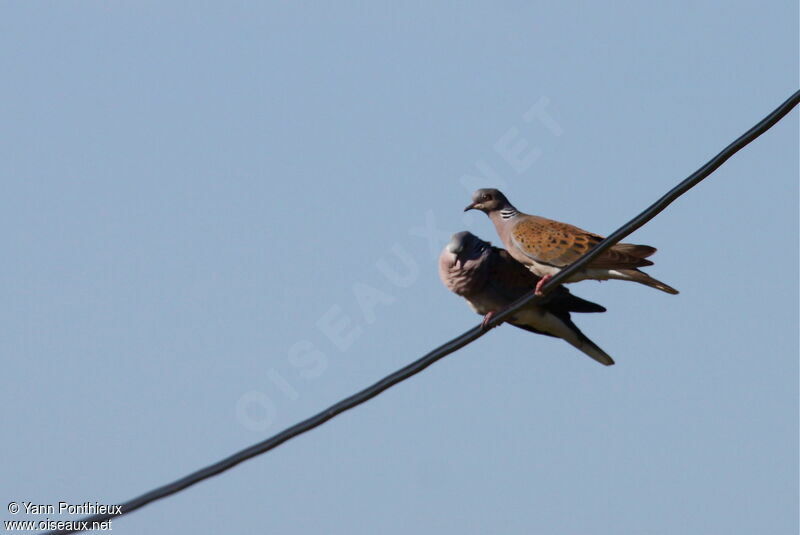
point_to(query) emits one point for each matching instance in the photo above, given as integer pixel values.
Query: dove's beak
(470, 207)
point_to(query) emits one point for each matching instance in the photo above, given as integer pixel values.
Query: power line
(456, 343)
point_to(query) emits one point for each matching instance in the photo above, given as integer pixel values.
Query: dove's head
(466, 246)
(488, 200)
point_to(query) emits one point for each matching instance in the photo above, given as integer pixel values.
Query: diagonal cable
(454, 344)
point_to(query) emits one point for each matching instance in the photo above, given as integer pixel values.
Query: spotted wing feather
(559, 244)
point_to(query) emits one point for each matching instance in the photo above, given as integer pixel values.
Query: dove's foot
(544, 280)
(486, 319)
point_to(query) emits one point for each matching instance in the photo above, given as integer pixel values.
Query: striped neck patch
(508, 213)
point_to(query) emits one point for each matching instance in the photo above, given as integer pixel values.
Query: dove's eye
(487, 197)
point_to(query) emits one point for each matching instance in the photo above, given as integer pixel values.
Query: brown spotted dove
(490, 280)
(546, 246)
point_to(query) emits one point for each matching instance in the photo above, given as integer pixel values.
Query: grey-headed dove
(490, 280)
(546, 246)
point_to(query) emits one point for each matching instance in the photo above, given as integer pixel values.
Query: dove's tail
(560, 325)
(582, 342)
(643, 278)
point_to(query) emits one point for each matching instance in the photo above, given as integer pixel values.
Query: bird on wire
(546, 247)
(490, 280)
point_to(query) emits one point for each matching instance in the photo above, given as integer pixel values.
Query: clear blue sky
(196, 195)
